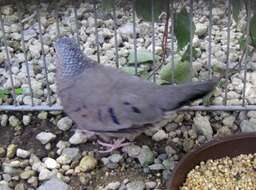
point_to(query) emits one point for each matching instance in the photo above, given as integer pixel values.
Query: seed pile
(238, 173)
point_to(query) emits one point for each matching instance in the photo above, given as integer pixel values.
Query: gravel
(203, 125)
(77, 138)
(68, 155)
(45, 137)
(54, 183)
(64, 124)
(148, 162)
(22, 153)
(87, 163)
(146, 156)
(136, 185)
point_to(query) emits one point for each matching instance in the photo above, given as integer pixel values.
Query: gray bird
(108, 101)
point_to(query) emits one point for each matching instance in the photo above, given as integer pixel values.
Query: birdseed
(238, 173)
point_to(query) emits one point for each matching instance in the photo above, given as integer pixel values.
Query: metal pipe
(96, 31)
(248, 19)
(135, 37)
(25, 54)
(191, 40)
(210, 40)
(227, 53)
(43, 54)
(115, 34)
(186, 108)
(153, 36)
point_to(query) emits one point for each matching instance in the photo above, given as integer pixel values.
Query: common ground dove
(106, 100)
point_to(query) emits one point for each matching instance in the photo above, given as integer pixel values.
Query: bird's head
(69, 57)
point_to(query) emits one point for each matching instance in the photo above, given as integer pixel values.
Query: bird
(107, 101)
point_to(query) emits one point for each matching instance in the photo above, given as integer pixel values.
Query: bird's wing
(103, 99)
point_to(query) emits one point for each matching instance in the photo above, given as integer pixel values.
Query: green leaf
(186, 55)
(253, 30)
(131, 70)
(3, 93)
(182, 28)
(242, 41)
(143, 57)
(19, 91)
(143, 9)
(181, 72)
(236, 8)
(107, 5)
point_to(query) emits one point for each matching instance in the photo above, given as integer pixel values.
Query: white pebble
(45, 137)
(51, 163)
(22, 153)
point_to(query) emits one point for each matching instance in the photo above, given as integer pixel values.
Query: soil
(25, 138)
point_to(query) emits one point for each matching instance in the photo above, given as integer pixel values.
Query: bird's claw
(111, 147)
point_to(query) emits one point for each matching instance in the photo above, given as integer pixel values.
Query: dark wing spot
(99, 115)
(77, 109)
(135, 109)
(126, 103)
(84, 106)
(113, 116)
(84, 115)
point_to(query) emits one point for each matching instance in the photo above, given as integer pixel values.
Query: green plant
(4, 93)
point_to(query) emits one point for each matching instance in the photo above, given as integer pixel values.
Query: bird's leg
(111, 147)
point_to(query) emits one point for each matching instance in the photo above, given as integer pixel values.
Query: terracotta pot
(231, 146)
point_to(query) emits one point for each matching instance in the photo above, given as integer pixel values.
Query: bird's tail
(180, 95)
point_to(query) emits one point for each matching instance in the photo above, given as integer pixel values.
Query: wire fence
(51, 105)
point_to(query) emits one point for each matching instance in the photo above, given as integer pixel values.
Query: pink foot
(111, 147)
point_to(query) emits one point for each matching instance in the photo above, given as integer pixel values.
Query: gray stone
(14, 121)
(115, 158)
(252, 114)
(27, 174)
(136, 185)
(78, 137)
(229, 121)
(26, 119)
(45, 174)
(150, 185)
(2, 151)
(51, 163)
(2, 57)
(22, 153)
(146, 156)
(113, 186)
(8, 169)
(203, 125)
(87, 163)
(156, 167)
(29, 33)
(54, 183)
(6, 177)
(4, 187)
(45, 137)
(201, 29)
(132, 150)
(160, 135)
(4, 120)
(11, 150)
(33, 181)
(68, 155)
(20, 186)
(126, 29)
(42, 115)
(248, 125)
(64, 124)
